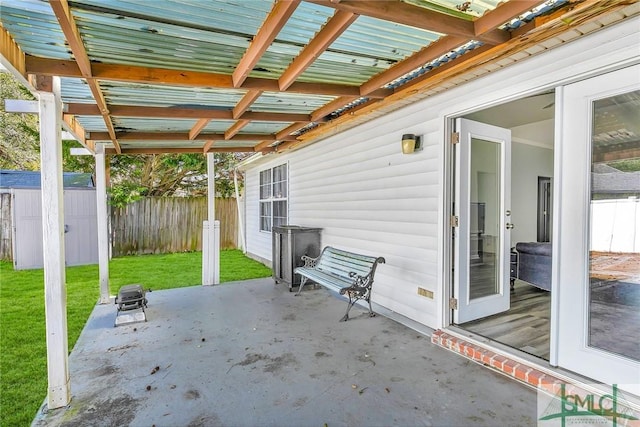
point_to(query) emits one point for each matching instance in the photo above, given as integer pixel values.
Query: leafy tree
(132, 176)
(19, 137)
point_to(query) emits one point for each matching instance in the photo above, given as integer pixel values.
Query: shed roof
(253, 75)
(31, 179)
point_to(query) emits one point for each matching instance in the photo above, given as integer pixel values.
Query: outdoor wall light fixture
(411, 143)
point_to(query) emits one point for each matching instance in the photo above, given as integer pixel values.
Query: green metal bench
(345, 272)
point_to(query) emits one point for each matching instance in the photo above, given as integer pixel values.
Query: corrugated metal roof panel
(273, 102)
(152, 124)
(92, 123)
(76, 91)
(368, 47)
(34, 27)
(150, 95)
(128, 143)
(218, 126)
(459, 8)
(141, 33)
(258, 127)
(264, 127)
(223, 144)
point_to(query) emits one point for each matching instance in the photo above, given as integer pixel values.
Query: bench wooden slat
(342, 271)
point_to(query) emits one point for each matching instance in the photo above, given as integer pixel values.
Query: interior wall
(528, 162)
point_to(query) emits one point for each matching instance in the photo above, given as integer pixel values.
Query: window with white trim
(273, 197)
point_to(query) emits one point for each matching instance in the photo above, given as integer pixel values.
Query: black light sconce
(411, 143)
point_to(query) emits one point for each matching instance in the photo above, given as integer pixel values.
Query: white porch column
(103, 224)
(211, 231)
(50, 109)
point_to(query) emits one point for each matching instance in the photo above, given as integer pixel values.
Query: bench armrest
(310, 262)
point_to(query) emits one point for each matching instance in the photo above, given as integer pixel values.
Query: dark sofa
(534, 263)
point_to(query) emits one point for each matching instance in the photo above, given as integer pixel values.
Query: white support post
(206, 276)
(211, 231)
(103, 224)
(50, 109)
(216, 255)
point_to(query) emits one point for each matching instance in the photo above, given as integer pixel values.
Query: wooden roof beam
(149, 75)
(338, 23)
(418, 17)
(246, 101)
(197, 128)
(332, 106)
(277, 18)
(72, 34)
(235, 128)
(286, 132)
(207, 146)
(503, 13)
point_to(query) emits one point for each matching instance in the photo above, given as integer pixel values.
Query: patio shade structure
(257, 76)
(180, 76)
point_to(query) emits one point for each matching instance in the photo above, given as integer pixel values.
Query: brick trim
(501, 363)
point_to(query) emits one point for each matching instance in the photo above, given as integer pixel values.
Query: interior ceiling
(532, 109)
(258, 76)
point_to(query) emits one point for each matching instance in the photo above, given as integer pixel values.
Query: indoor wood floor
(525, 326)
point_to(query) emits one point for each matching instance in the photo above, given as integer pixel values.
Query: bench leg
(371, 313)
(350, 304)
(303, 280)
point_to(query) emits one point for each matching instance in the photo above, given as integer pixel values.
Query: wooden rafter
(243, 105)
(332, 106)
(429, 53)
(235, 128)
(470, 60)
(277, 18)
(197, 128)
(503, 13)
(163, 76)
(418, 17)
(338, 23)
(207, 146)
(286, 132)
(72, 34)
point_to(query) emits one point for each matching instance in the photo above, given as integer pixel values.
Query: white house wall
(370, 198)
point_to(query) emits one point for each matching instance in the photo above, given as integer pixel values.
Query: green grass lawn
(23, 370)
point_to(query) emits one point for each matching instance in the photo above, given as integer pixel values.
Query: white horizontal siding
(369, 198)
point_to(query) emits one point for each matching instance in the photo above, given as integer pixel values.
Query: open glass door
(482, 209)
(599, 265)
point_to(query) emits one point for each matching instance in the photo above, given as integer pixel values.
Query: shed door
(27, 229)
(81, 238)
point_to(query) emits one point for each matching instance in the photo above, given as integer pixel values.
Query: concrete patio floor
(252, 354)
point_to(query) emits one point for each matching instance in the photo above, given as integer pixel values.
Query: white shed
(81, 242)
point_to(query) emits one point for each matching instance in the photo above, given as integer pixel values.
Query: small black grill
(131, 297)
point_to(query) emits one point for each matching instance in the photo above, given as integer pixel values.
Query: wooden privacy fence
(156, 225)
(6, 251)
